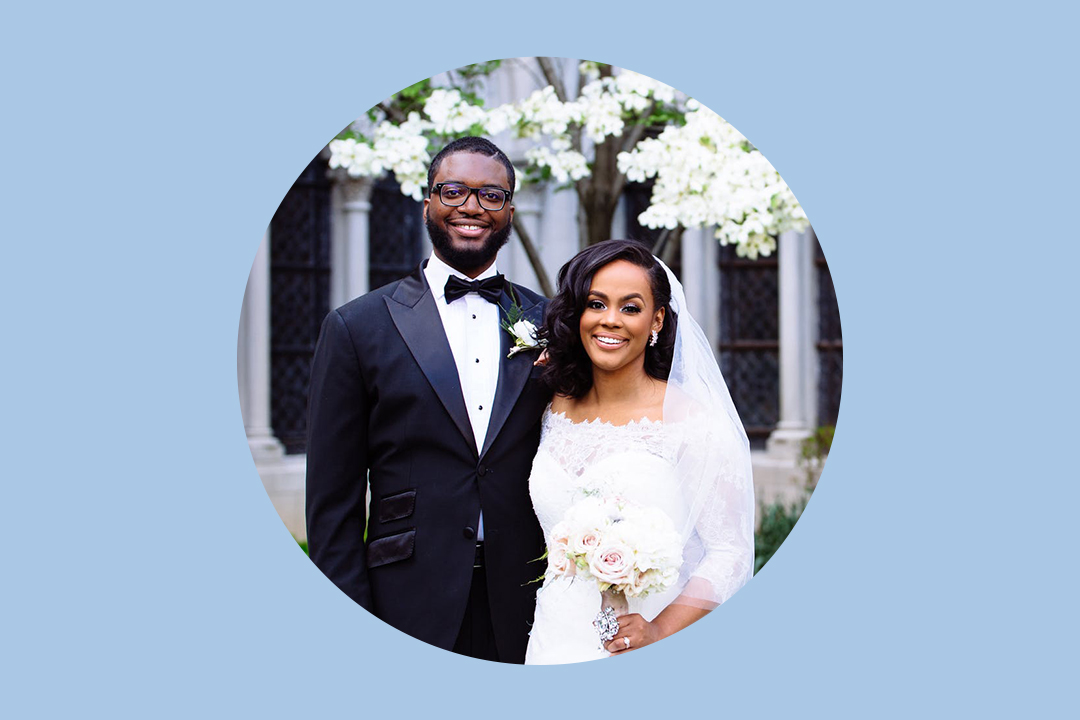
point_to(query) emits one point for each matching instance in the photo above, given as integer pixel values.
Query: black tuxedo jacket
(386, 406)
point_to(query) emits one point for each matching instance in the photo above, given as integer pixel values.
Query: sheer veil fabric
(712, 467)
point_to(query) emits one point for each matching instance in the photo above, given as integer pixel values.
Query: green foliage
(535, 174)
(475, 130)
(778, 520)
(542, 559)
(412, 98)
(813, 452)
(467, 79)
(514, 314)
(818, 445)
(303, 545)
(663, 115)
(350, 134)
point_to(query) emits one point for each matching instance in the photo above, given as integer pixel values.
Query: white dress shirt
(472, 328)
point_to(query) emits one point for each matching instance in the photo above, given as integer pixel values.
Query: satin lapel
(513, 372)
(412, 308)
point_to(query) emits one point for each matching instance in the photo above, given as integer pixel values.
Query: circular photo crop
(540, 361)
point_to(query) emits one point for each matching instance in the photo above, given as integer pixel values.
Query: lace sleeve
(719, 554)
(713, 467)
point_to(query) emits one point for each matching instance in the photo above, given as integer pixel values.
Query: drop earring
(655, 335)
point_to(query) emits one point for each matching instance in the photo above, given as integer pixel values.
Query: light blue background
(146, 574)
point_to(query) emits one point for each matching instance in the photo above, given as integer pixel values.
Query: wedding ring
(627, 641)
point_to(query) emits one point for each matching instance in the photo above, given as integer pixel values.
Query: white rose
(639, 583)
(525, 332)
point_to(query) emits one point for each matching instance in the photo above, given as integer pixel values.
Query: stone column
(796, 344)
(253, 358)
(701, 280)
(350, 268)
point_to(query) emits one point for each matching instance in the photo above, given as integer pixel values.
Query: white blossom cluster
(601, 110)
(542, 113)
(566, 165)
(606, 102)
(501, 119)
(450, 115)
(706, 176)
(589, 70)
(401, 148)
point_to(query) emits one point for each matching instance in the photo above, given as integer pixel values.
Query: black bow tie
(489, 289)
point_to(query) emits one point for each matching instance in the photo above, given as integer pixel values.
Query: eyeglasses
(456, 195)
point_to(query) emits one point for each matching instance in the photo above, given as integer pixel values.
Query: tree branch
(661, 242)
(667, 242)
(631, 138)
(674, 245)
(534, 257)
(392, 112)
(527, 67)
(552, 76)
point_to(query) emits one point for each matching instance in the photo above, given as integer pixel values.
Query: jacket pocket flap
(391, 548)
(396, 507)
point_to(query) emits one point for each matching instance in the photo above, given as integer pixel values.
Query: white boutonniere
(523, 331)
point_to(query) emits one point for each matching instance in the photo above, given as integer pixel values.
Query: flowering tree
(620, 127)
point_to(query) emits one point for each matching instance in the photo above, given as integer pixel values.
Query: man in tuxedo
(413, 393)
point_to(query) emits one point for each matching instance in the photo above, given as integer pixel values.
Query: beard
(470, 258)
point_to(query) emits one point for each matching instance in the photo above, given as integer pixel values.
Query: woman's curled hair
(569, 370)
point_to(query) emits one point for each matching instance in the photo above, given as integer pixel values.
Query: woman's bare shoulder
(562, 404)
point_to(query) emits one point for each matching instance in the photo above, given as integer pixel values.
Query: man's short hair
(478, 146)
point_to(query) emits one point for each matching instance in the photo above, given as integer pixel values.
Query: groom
(412, 393)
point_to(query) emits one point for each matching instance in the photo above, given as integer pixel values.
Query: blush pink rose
(558, 562)
(612, 564)
(586, 542)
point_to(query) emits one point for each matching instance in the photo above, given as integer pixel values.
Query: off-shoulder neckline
(597, 422)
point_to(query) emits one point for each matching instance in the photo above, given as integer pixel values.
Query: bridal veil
(713, 467)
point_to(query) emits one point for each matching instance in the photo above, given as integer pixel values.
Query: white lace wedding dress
(695, 467)
(635, 462)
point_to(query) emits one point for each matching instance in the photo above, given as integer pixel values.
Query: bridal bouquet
(629, 549)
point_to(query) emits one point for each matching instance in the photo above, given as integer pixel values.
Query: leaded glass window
(299, 298)
(750, 339)
(830, 343)
(396, 232)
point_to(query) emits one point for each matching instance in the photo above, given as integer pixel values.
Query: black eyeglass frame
(436, 189)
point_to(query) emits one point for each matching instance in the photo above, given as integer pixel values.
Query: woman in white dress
(640, 413)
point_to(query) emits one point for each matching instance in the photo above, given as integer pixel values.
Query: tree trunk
(599, 194)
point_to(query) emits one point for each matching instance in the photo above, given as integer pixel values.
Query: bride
(642, 421)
